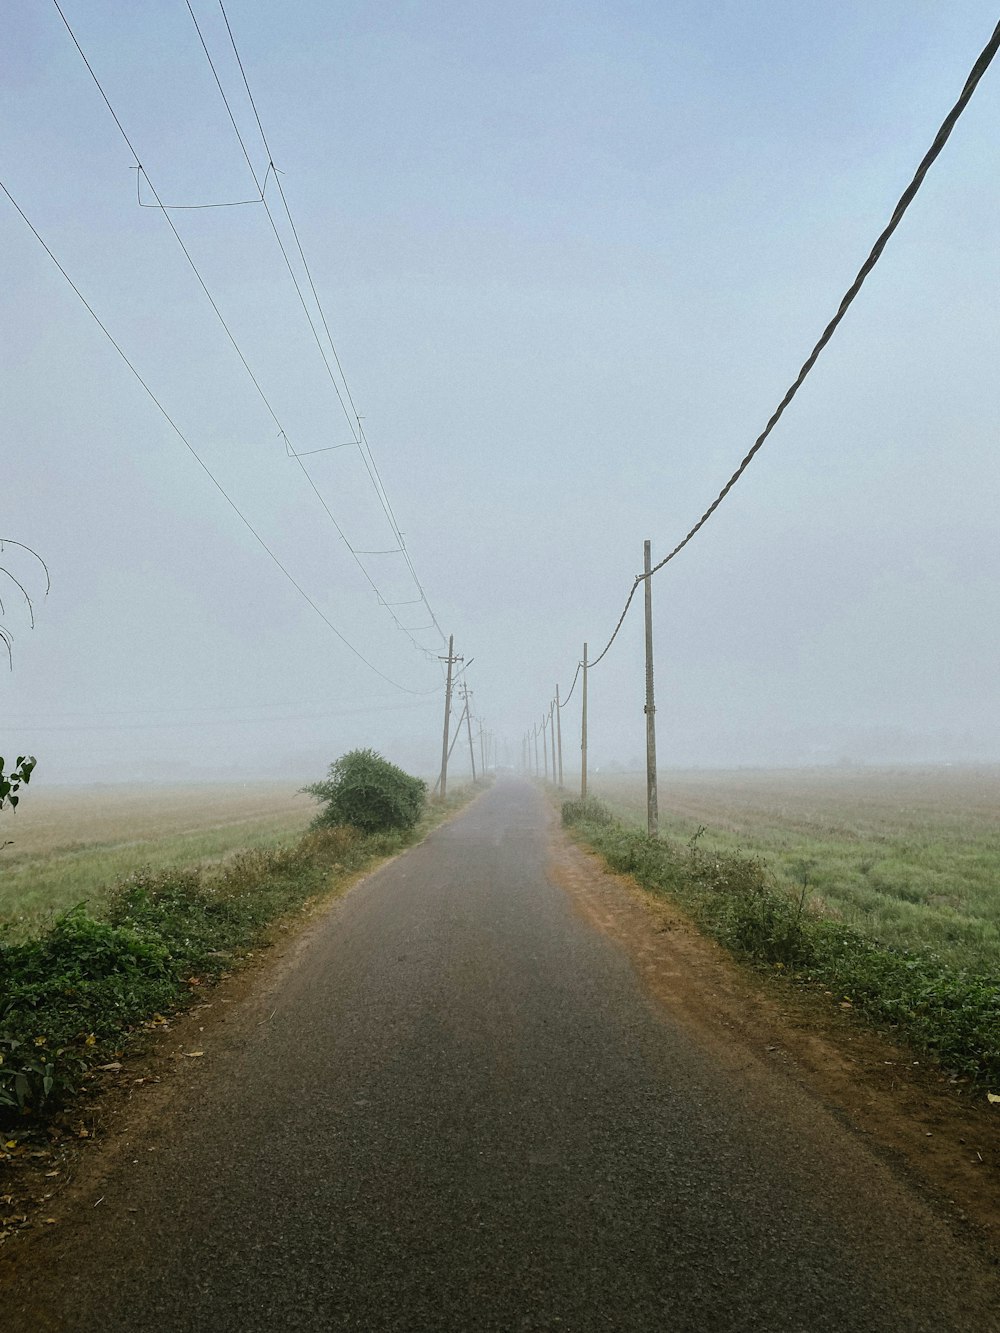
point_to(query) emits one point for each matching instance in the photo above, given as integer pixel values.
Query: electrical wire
(202, 723)
(141, 171)
(204, 466)
(906, 198)
(564, 702)
(366, 451)
(298, 290)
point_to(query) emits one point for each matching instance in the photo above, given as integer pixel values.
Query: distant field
(911, 856)
(69, 845)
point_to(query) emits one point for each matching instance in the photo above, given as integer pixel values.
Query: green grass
(951, 1011)
(909, 857)
(72, 846)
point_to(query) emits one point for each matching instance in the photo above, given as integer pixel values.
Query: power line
(229, 203)
(366, 451)
(376, 705)
(202, 464)
(221, 318)
(906, 198)
(261, 186)
(216, 721)
(564, 702)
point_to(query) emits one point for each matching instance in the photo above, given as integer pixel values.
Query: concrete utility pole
(583, 732)
(451, 659)
(482, 750)
(652, 811)
(559, 736)
(534, 732)
(552, 736)
(545, 749)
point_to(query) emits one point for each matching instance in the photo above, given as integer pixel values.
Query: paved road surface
(466, 1115)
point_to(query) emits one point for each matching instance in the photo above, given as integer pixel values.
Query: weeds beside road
(73, 844)
(907, 856)
(69, 997)
(950, 1011)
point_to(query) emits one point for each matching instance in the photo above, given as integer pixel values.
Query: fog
(571, 255)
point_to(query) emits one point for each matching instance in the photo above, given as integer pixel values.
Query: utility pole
(652, 812)
(583, 732)
(552, 736)
(451, 659)
(559, 735)
(482, 750)
(545, 749)
(534, 732)
(468, 723)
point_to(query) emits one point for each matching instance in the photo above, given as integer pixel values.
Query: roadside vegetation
(907, 856)
(71, 845)
(72, 994)
(947, 1009)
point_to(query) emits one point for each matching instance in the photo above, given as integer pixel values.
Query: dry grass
(70, 845)
(910, 856)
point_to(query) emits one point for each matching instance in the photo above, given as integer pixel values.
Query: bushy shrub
(81, 982)
(588, 811)
(366, 791)
(765, 924)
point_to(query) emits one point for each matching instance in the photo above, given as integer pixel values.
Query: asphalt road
(465, 1114)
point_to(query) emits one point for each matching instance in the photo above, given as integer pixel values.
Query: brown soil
(941, 1134)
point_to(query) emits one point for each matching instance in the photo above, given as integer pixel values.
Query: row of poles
(550, 729)
(550, 732)
(487, 741)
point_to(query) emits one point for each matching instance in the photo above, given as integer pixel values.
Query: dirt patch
(924, 1121)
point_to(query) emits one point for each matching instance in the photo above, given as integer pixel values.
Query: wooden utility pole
(468, 723)
(652, 812)
(583, 732)
(458, 732)
(451, 660)
(559, 737)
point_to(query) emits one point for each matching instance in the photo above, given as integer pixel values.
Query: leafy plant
(10, 782)
(366, 791)
(586, 811)
(33, 1077)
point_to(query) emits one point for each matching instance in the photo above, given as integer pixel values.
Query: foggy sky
(572, 256)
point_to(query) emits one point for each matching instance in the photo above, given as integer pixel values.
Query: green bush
(588, 811)
(69, 990)
(367, 792)
(766, 925)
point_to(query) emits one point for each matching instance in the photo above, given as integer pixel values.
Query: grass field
(69, 845)
(909, 856)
